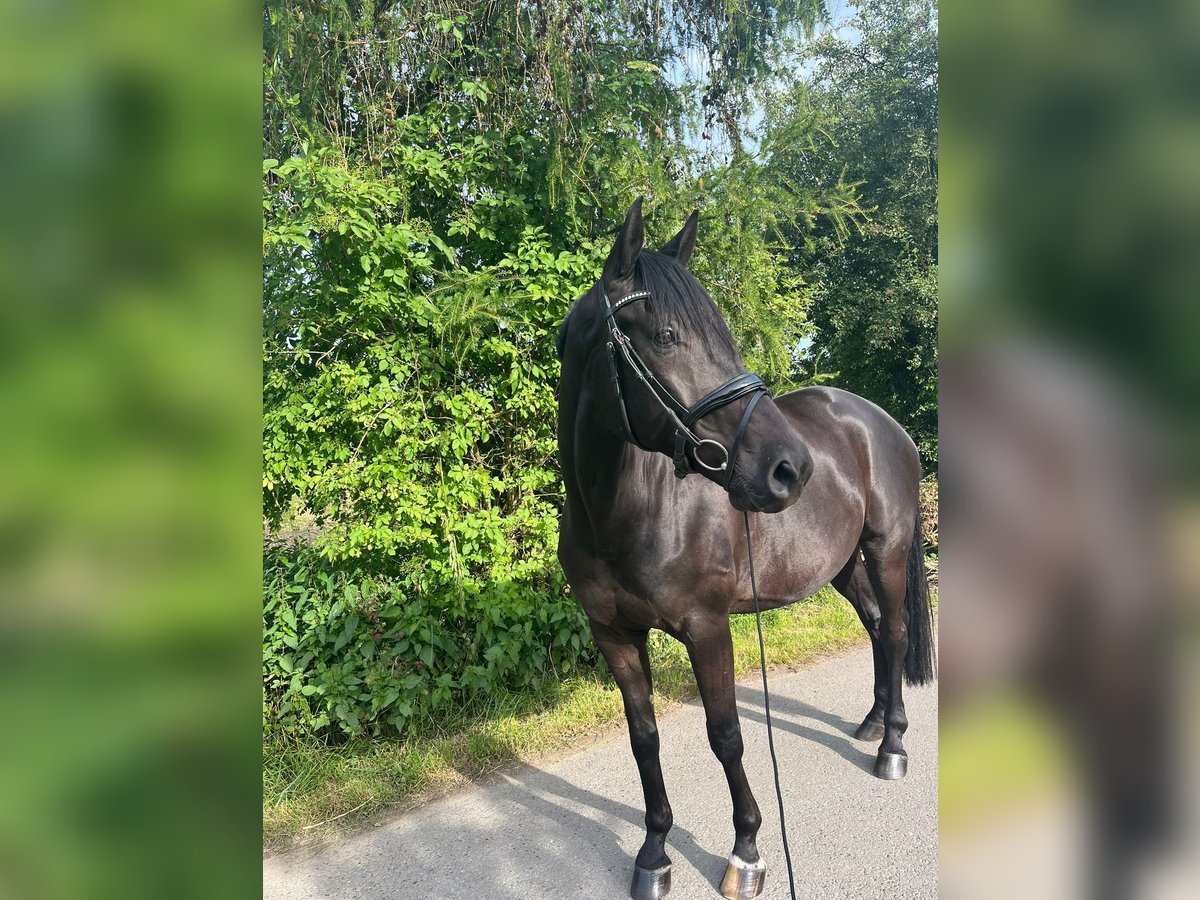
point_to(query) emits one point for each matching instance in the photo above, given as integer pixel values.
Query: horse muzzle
(777, 485)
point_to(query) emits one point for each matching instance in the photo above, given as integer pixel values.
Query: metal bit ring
(700, 462)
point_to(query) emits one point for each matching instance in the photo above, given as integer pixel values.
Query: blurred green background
(130, 521)
(1072, 199)
(1069, 286)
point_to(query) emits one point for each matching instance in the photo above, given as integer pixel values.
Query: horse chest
(653, 578)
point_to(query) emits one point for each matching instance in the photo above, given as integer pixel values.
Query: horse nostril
(783, 479)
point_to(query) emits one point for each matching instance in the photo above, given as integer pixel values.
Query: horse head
(666, 375)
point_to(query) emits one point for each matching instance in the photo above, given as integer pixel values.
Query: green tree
(874, 88)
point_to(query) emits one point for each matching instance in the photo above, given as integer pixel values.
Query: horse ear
(618, 271)
(682, 245)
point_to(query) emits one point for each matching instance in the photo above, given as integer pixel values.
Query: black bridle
(683, 417)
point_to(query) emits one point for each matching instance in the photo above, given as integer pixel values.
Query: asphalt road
(570, 828)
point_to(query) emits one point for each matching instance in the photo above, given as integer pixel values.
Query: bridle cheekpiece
(683, 417)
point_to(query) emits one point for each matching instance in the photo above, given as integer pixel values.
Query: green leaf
(443, 246)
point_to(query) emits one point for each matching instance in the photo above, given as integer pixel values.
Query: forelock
(677, 297)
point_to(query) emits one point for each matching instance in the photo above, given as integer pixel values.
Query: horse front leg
(710, 648)
(626, 655)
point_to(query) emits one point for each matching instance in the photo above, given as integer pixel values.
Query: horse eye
(665, 337)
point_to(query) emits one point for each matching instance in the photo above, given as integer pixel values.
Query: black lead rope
(762, 659)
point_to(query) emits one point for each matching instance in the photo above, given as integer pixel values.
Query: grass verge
(313, 791)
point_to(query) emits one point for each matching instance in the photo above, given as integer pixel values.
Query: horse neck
(597, 466)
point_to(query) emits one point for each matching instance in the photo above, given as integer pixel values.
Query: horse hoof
(650, 884)
(743, 880)
(891, 766)
(869, 731)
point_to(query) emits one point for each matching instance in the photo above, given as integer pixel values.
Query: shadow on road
(534, 833)
(562, 834)
(785, 711)
(680, 840)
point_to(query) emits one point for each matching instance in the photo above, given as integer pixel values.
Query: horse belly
(787, 587)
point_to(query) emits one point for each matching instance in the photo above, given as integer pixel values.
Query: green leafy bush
(409, 412)
(361, 655)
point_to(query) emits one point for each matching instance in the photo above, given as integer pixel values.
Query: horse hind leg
(630, 664)
(886, 568)
(854, 584)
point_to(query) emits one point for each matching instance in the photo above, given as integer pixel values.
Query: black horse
(644, 548)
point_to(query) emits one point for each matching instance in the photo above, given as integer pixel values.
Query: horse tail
(918, 662)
